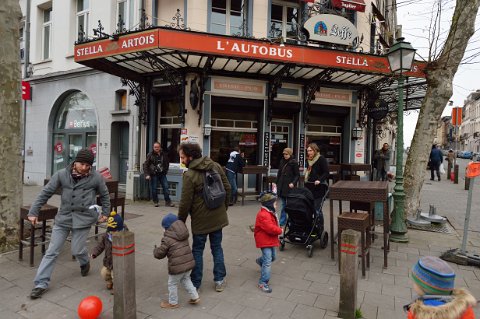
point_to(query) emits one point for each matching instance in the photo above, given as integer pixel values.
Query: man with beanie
(114, 224)
(76, 215)
(266, 234)
(433, 281)
(234, 164)
(156, 170)
(205, 222)
(180, 260)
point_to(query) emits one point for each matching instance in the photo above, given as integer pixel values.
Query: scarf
(310, 164)
(76, 175)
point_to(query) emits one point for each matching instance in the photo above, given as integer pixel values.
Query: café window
(121, 100)
(47, 34)
(82, 16)
(228, 17)
(169, 128)
(125, 10)
(229, 132)
(285, 19)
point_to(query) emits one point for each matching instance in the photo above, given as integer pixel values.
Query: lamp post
(400, 57)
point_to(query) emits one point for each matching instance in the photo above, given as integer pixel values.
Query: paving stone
(379, 300)
(302, 297)
(323, 289)
(249, 313)
(227, 309)
(327, 303)
(278, 306)
(307, 312)
(316, 276)
(396, 291)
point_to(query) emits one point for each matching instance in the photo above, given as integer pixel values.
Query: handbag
(442, 169)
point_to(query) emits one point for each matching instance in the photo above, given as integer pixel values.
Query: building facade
(470, 127)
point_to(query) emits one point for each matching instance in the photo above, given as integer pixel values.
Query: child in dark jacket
(433, 281)
(114, 224)
(180, 260)
(266, 234)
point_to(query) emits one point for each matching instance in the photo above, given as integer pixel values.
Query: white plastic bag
(442, 169)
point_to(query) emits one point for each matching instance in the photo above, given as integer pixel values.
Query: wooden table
(362, 191)
(252, 170)
(47, 212)
(353, 168)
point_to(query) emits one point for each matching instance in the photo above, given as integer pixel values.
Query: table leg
(44, 231)
(331, 231)
(243, 188)
(32, 243)
(21, 237)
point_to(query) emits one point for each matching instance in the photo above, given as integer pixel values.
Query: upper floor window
(125, 11)
(47, 33)
(82, 16)
(228, 17)
(285, 20)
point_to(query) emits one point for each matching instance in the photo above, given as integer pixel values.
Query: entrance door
(123, 152)
(74, 145)
(281, 137)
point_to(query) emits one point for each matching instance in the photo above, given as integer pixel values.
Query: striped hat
(434, 276)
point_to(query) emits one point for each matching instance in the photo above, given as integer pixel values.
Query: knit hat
(168, 220)
(288, 150)
(114, 222)
(268, 199)
(433, 275)
(84, 156)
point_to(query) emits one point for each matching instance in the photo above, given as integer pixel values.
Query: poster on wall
(301, 156)
(266, 149)
(248, 139)
(184, 135)
(359, 151)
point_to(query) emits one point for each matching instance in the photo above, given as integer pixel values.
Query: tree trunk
(10, 124)
(439, 75)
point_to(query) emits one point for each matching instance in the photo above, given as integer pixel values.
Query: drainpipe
(26, 75)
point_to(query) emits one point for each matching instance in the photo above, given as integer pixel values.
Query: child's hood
(178, 230)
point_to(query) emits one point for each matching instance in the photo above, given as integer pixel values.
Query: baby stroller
(304, 225)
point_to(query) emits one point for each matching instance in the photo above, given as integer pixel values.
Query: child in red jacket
(266, 237)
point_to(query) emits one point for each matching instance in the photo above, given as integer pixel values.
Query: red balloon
(90, 307)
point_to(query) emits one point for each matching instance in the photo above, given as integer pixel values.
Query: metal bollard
(455, 172)
(467, 181)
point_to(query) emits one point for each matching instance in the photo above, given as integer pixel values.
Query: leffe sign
(331, 29)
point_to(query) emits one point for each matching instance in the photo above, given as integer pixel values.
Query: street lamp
(400, 57)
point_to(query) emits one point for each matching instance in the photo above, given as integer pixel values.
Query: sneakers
(265, 288)
(109, 285)
(155, 204)
(169, 204)
(194, 301)
(37, 292)
(220, 285)
(167, 305)
(85, 269)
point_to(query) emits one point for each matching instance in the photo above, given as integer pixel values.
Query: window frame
(127, 17)
(46, 24)
(85, 12)
(228, 14)
(284, 21)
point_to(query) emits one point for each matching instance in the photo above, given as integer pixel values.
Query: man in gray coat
(382, 162)
(80, 187)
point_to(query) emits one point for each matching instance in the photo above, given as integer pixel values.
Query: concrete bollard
(348, 273)
(455, 173)
(123, 251)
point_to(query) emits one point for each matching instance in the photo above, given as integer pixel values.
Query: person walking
(205, 222)
(234, 164)
(316, 173)
(287, 178)
(451, 161)
(156, 170)
(436, 158)
(76, 215)
(382, 162)
(180, 260)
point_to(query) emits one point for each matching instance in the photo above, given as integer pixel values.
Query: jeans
(434, 167)
(154, 179)
(59, 235)
(184, 279)
(198, 245)
(381, 175)
(283, 214)
(268, 257)
(232, 179)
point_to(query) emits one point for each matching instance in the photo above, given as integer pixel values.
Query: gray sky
(415, 16)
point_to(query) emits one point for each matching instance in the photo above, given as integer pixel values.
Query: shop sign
(248, 140)
(333, 95)
(79, 124)
(331, 28)
(355, 5)
(266, 149)
(129, 43)
(301, 156)
(58, 147)
(378, 109)
(93, 149)
(240, 87)
(26, 91)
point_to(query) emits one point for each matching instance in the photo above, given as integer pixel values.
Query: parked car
(466, 155)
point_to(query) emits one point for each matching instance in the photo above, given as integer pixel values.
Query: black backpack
(213, 190)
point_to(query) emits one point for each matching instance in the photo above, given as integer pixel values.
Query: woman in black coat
(287, 178)
(316, 173)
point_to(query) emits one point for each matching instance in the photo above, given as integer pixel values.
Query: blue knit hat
(114, 222)
(434, 276)
(168, 220)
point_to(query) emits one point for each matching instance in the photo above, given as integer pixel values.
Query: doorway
(119, 151)
(281, 138)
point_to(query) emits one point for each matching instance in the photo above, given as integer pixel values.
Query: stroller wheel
(324, 240)
(310, 250)
(282, 245)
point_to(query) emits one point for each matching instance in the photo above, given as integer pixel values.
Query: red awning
(356, 5)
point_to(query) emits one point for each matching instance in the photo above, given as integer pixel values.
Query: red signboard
(58, 147)
(457, 116)
(355, 5)
(235, 47)
(26, 91)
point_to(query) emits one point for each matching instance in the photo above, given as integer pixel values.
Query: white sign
(332, 29)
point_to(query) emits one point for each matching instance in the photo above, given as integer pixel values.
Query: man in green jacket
(205, 222)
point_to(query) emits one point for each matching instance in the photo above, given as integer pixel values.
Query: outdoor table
(255, 170)
(352, 168)
(361, 191)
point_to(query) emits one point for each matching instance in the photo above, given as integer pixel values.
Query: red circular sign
(93, 148)
(58, 147)
(358, 155)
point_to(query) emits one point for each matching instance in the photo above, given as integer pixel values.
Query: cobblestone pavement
(302, 287)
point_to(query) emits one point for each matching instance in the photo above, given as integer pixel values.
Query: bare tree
(440, 71)
(10, 123)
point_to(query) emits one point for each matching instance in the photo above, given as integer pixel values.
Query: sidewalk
(302, 287)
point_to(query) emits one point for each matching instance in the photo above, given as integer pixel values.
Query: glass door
(74, 145)
(281, 138)
(92, 146)
(60, 152)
